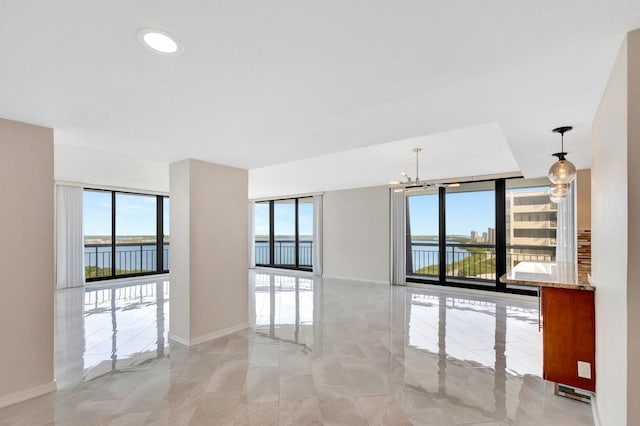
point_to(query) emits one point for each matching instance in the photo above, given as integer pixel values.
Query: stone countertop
(548, 274)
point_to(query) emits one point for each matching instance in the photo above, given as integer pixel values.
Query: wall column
(26, 261)
(615, 233)
(209, 265)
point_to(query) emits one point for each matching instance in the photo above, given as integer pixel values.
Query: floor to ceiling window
(136, 234)
(284, 229)
(284, 233)
(126, 234)
(531, 220)
(472, 233)
(262, 233)
(423, 233)
(305, 232)
(166, 241)
(97, 224)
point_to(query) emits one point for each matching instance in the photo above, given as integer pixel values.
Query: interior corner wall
(633, 266)
(609, 239)
(26, 259)
(179, 272)
(209, 275)
(91, 167)
(356, 234)
(583, 199)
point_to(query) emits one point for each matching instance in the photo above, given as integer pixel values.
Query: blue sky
(135, 214)
(466, 212)
(284, 218)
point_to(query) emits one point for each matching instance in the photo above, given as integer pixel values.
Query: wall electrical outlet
(584, 369)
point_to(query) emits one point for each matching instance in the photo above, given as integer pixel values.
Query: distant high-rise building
(531, 221)
(492, 235)
(485, 238)
(474, 236)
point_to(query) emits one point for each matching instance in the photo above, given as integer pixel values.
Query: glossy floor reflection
(319, 352)
(108, 328)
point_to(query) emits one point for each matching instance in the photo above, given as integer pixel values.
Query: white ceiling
(474, 151)
(263, 83)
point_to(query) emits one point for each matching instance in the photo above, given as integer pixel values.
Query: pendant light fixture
(562, 171)
(559, 189)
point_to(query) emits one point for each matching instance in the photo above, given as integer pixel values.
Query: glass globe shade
(559, 189)
(562, 171)
(556, 199)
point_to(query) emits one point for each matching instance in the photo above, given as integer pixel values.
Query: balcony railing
(131, 258)
(472, 260)
(284, 252)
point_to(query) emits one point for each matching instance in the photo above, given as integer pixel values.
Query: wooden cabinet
(568, 336)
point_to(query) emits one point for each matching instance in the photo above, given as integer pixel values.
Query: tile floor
(319, 352)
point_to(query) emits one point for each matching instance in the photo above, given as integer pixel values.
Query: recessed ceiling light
(159, 41)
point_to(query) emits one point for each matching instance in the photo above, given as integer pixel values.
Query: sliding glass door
(452, 233)
(262, 231)
(284, 233)
(424, 235)
(531, 222)
(470, 234)
(305, 232)
(284, 225)
(471, 231)
(136, 234)
(125, 234)
(97, 223)
(166, 240)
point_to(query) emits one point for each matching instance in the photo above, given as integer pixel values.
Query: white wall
(615, 221)
(86, 166)
(180, 245)
(633, 267)
(209, 243)
(26, 261)
(356, 234)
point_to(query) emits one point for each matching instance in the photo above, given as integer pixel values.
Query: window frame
(160, 269)
(295, 266)
(500, 247)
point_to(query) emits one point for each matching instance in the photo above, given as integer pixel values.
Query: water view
(284, 251)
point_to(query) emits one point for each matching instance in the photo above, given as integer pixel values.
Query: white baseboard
(207, 337)
(177, 339)
(594, 410)
(23, 395)
(364, 280)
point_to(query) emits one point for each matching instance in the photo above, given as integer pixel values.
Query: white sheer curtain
(252, 234)
(317, 235)
(398, 235)
(69, 237)
(566, 235)
(70, 334)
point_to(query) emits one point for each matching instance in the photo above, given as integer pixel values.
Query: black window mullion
(272, 250)
(442, 237)
(297, 236)
(407, 238)
(159, 233)
(501, 232)
(113, 234)
(127, 258)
